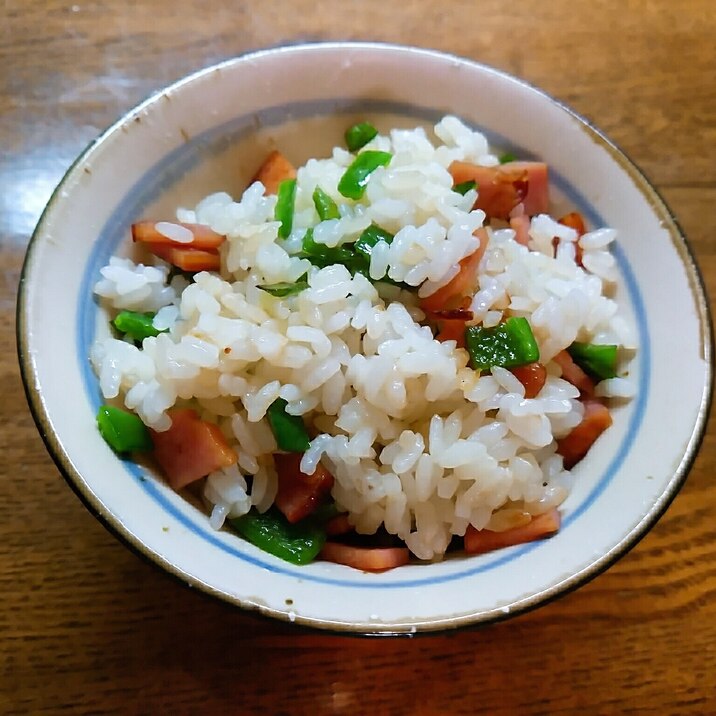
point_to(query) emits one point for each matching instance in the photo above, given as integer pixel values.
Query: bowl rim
(114, 525)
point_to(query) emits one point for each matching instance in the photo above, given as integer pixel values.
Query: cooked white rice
(416, 439)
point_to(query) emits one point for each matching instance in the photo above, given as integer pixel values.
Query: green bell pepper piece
(507, 345)
(599, 361)
(137, 326)
(290, 432)
(353, 183)
(465, 186)
(325, 206)
(369, 238)
(123, 431)
(283, 288)
(322, 255)
(284, 206)
(359, 135)
(355, 257)
(297, 543)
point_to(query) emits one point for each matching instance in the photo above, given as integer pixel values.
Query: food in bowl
(391, 351)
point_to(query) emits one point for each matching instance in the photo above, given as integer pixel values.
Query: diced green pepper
(297, 543)
(284, 206)
(398, 284)
(507, 157)
(325, 206)
(355, 257)
(137, 326)
(369, 238)
(465, 186)
(359, 135)
(123, 431)
(507, 345)
(283, 288)
(322, 255)
(599, 361)
(353, 183)
(290, 432)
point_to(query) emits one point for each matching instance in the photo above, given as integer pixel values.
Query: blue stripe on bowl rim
(181, 161)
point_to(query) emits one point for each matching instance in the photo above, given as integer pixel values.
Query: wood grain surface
(87, 627)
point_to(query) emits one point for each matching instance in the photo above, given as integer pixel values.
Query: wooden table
(87, 627)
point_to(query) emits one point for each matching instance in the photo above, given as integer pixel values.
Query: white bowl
(209, 132)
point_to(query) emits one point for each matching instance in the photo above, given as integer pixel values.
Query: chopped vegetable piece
(355, 257)
(274, 170)
(137, 326)
(299, 494)
(284, 206)
(271, 532)
(191, 448)
(597, 360)
(338, 525)
(386, 279)
(507, 157)
(369, 559)
(573, 374)
(465, 186)
(322, 255)
(580, 439)
(544, 525)
(283, 288)
(355, 179)
(369, 238)
(325, 206)
(507, 345)
(289, 430)
(503, 188)
(190, 260)
(533, 376)
(463, 284)
(195, 236)
(123, 431)
(359, 135)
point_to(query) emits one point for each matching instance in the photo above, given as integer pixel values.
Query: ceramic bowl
(209, 132)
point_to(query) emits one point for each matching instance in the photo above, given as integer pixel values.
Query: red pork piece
(573, 374)
(544, 525)
(275, 169)
(576, 444)
(369, 559)
(191, 448)
(190, 260)
(502, 188)
(299, 494)
(462, 284)
(532, 376)
(173, 233)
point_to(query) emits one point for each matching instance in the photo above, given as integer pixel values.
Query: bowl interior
(209, 133)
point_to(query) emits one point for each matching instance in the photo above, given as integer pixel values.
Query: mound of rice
(417, 440)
